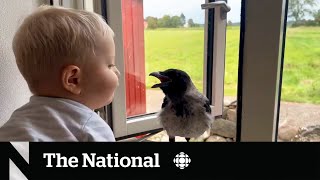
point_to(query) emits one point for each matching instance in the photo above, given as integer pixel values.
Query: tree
(175, 22)
(316, 16)
(229, 23)
(152, 22)
(191, 23)
(298, 8)
(164, 21)
(183, 19)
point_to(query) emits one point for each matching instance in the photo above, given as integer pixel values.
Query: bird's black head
(174, 82)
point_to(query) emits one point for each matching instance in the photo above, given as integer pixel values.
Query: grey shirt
(55, 119)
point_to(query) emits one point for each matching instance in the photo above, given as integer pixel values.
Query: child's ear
(71, 79)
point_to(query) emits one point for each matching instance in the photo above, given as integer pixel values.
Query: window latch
(224, 7)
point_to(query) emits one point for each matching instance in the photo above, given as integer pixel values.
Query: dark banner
(164, 160)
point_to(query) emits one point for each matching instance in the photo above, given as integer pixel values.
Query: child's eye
(111, 65)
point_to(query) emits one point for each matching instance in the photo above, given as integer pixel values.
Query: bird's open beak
(164, 79)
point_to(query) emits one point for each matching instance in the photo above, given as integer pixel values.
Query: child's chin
(109, 101)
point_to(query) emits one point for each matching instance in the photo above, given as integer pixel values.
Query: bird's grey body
(193, 122)
(185, 111)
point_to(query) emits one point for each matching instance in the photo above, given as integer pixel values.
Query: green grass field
(183, 49)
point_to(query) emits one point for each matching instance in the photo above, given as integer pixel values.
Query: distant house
(145, 24)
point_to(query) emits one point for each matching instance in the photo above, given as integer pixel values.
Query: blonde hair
(54, 36)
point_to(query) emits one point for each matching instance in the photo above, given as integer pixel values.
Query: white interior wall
(14, 91)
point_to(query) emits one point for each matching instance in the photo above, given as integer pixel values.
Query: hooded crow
(185, 112)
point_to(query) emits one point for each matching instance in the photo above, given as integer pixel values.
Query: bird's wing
(165, 102)
(207, 106)
(198, 97)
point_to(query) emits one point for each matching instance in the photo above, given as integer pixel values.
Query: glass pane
(231, 66)
(159, 35)
(300, 97)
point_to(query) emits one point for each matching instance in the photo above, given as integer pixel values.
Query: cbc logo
(182, 160)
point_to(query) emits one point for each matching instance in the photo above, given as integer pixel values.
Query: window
(140, 51)
(278, 68)
(300, 95)
(260, 59)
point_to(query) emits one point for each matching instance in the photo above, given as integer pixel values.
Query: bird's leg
(171, 139)
(188, 139)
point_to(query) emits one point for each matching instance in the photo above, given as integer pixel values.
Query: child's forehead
(105, 40)
(105, 45)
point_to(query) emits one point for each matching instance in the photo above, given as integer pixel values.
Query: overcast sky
(190, 8)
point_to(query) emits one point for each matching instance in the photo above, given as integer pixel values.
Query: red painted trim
(133, 34)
